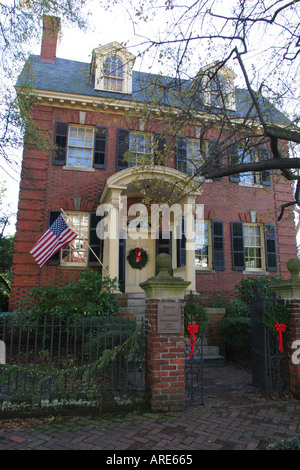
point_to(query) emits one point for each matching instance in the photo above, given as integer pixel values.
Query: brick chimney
(51, 27)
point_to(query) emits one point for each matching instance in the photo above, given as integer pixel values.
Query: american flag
(56, 237)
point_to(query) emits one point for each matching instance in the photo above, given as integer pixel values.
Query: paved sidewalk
(234, 417)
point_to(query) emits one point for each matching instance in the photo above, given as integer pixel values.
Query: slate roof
(69, 76)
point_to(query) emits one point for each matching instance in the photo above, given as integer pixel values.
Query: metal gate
(194, 364)
(270, 368)
(194, 372)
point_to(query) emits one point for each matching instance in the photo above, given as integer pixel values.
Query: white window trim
(209, 267)
(71, 264)
(262, 248)
(68, 166)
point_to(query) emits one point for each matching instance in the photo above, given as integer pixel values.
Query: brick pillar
(51, 27)
(293, 336)
(289, 290)
(165, 360)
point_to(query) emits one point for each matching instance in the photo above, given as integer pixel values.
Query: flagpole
(66, 216)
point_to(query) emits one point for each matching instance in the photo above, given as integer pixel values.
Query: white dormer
(218, 86)
(112, 68)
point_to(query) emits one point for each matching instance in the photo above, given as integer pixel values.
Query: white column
(189, 207)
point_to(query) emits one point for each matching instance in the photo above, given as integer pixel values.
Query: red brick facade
(48, 187)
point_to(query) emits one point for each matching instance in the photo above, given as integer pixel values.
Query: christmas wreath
(137, 258)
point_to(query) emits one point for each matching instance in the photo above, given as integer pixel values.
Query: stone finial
(163, 263)
(293, 266)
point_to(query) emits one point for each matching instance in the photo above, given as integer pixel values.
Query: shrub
(90, 295)
(237, 333)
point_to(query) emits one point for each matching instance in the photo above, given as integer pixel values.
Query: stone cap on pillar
(290, 288)
(163, 285)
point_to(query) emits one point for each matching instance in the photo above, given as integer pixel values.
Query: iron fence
(81, 354)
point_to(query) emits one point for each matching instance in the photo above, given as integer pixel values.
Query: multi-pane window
(253, 246)
(113, 74)
(203, 258)
(239, 155)
(189, 155)
(80, 146)
(140, 148)
(76, 253)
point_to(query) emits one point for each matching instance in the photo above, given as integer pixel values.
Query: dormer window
(113, 74)
(217, 85)
(112, 68)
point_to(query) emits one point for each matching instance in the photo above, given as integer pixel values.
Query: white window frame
(203, 241)
(256, 246)
(71, 146)
(140, 156)
(114, 78)
(80, 244)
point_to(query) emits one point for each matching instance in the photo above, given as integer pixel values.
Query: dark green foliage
(89, 296)
(195, 313)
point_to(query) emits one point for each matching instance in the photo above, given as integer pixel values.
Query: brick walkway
(234, 416)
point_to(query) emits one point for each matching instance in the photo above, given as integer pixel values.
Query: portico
(144, 207)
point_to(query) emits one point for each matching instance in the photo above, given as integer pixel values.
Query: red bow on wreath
(138, 255)
(192, 329)
(280, 327)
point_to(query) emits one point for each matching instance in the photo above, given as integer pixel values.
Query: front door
(133, 277)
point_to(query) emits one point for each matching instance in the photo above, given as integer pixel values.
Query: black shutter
(265, 175)
(122, 148)
(95, 242)
(218, 246)
(237, 237)
(61, 143)
(181, 245)
(55, 259)
(122, 261)
(270, 245)
(181, 154)
(233, 155)
(100, 147)
(159, 149)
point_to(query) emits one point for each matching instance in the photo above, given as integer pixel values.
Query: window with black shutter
(122, 148)
(237, 236)
(55, 259)
(265, 175)
(181, 154)
(270, 245)
(95, 242)
(61, 141)
(100, 147)
(218, 246)
(159, 149)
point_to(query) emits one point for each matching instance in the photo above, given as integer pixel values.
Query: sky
(104, 27)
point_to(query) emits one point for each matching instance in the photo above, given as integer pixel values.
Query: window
(203, 255)
(80, 146)
(113, 74)
(140, 148)
(189, 155)
(238, 155)
(253, 247)
(76, 253)
(218, 97)
(135, 148)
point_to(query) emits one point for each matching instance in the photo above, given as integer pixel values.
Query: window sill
(69, 267)
(250, 185)
(205, 271)
(256, 273)
(79, 168)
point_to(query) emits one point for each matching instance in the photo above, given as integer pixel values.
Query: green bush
(237, 333)
(90, 296)
(196, 313)
(289, 443)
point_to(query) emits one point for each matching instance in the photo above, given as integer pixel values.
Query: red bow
(280, 327)
(138, 255)
(192, 329)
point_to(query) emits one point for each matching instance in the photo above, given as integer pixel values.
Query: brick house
(93, 112)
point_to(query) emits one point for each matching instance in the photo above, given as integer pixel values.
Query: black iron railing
(73, 354)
